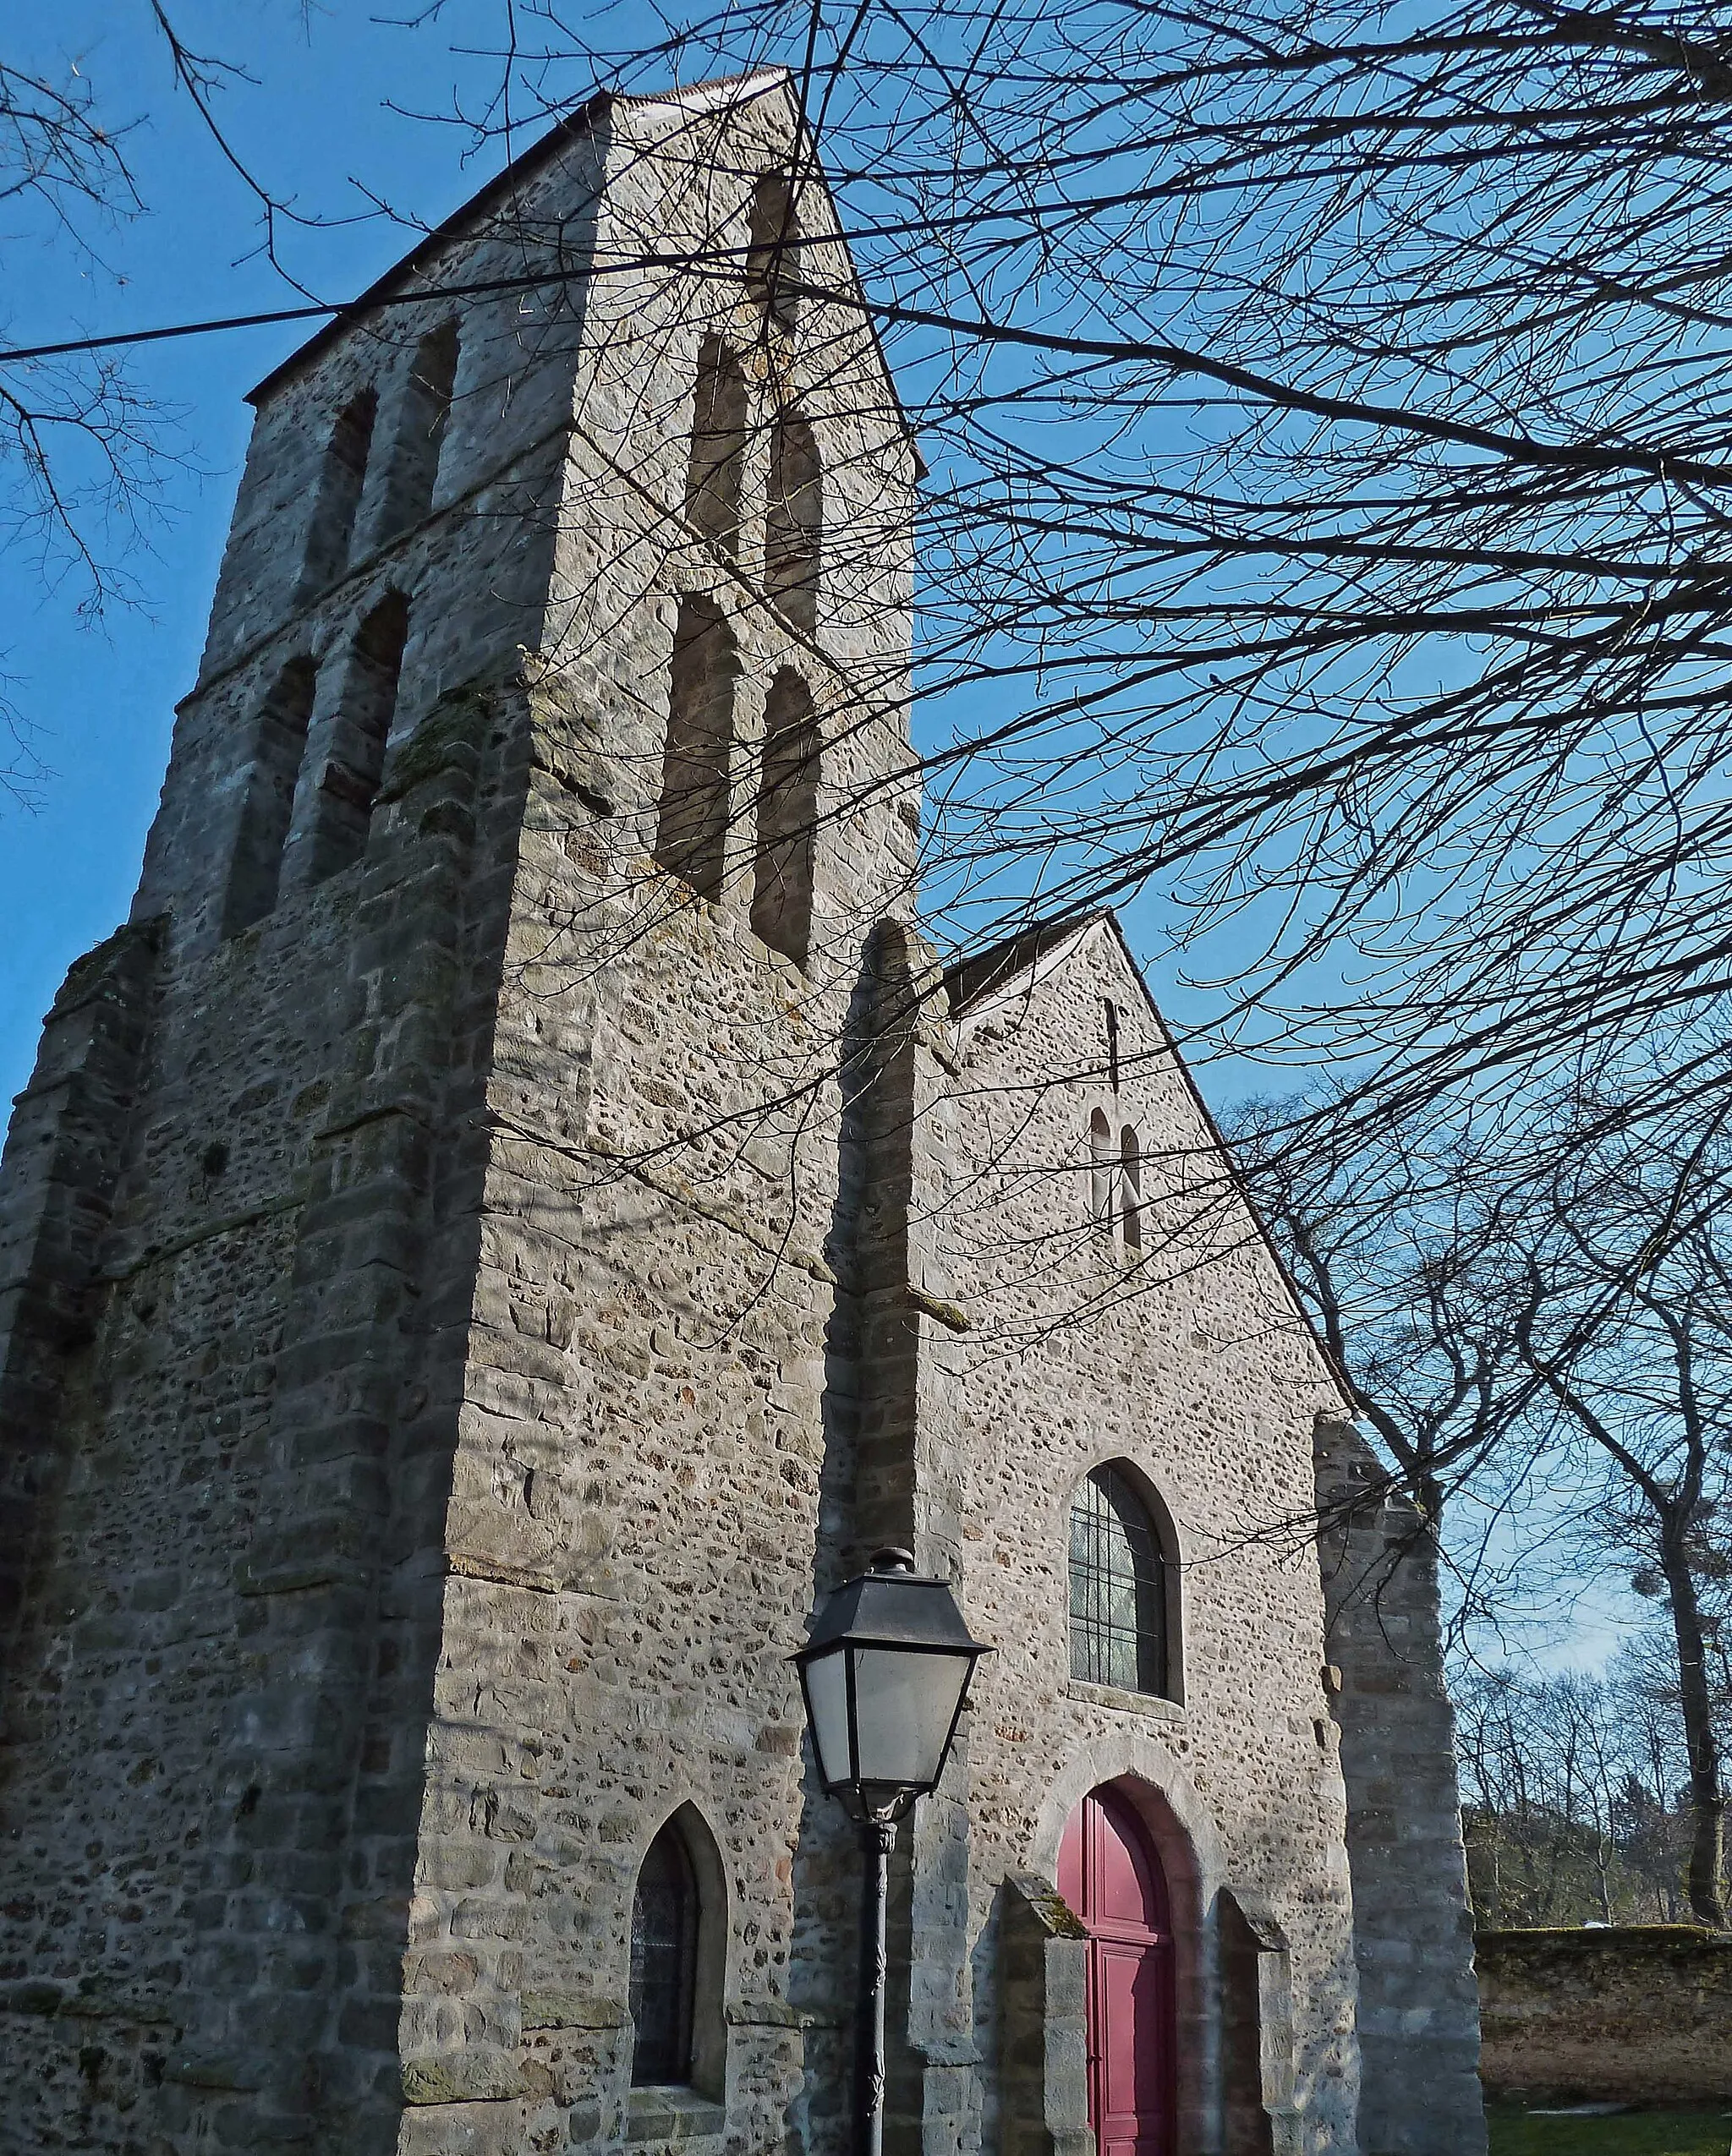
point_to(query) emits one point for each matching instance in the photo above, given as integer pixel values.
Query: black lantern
(885, 1674)
(885, 1677)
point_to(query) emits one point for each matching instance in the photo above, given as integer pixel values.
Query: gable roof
(971, 981)
(704, 96)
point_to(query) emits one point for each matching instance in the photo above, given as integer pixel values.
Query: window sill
(674, 2114)
(1150, 1703)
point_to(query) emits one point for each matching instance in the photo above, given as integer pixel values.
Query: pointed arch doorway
(1109, 1873)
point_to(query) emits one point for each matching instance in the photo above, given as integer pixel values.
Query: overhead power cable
(336, 309)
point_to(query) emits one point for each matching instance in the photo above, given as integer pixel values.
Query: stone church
(518, 1214)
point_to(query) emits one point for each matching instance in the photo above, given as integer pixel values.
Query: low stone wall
(1638, 2014)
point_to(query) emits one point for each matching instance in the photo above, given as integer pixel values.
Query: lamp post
(886, 1678)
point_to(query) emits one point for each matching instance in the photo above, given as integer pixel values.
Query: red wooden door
(1110, 1876)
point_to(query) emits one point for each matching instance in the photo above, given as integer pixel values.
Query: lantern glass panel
(904, 1705)
(827, 1703)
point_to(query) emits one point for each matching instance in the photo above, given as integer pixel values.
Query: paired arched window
(1120, 1600)
(279, 744)
(691, 830)
(665, 1916)
(338, 496)
(422, 420)
(718, 445)
(787, 819)
(1115, 1198)
(793, 520)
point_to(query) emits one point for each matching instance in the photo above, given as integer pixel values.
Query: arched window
(279, 742)
(341, 479)
(1100, 1171)
(793, 522)
(421, 422)
(771, 260)
(1118, 1587)
(691, 830)
(788, 812)
(664, 1962)
(350, 779)
(1131, 1191)
(718, 445)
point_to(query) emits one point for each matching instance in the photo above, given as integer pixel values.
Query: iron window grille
(1118, 1587)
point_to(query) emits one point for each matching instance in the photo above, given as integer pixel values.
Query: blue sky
(100, 694)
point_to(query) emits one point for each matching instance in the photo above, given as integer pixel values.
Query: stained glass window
(1118, 1587)
(664, 1959)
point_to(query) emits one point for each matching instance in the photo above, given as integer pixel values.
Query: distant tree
(1555, 1307)
(1569, 1818)
(1387, 1246)
(1625, 1315)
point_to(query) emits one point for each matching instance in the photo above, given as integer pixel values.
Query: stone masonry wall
(1191, 1366)
(1418, 2002)
(1637, 2014)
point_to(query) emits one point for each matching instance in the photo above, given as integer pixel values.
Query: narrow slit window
(1100, 1171)
(1118, 1587)
(691, 830)
(423, 419)
(342, 477)
(772, 258)
(349, 781)
(787, 812)
(279, 744)
(718, 445)
(664, 1963)
(794, 520)
(1131, 1191)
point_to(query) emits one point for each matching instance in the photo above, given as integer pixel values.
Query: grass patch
(1627, 2133)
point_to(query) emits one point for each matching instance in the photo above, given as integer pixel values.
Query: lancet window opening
(349, 782)
(279, 746)
(793, 523)
(1100, 1171)
(342, 476)
(423, 420)
(787, 814)
(665, 1918)
(1131, 1192)
(713, 477)
(772, 257)
(692, 822)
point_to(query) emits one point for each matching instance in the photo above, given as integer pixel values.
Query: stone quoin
(520, 1213)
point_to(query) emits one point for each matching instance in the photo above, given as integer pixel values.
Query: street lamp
(886, 1678)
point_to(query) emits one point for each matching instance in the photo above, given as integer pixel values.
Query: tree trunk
(1707, 1803)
